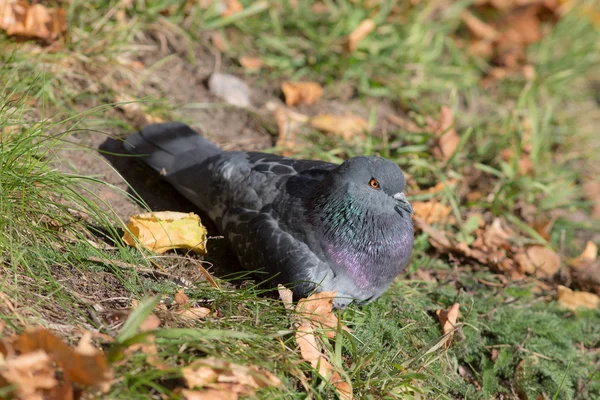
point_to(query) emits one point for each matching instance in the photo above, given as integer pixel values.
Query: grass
(512, 342)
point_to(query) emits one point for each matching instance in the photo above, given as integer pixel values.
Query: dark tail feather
(170, 147)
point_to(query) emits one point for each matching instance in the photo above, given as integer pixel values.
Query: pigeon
(311, 225)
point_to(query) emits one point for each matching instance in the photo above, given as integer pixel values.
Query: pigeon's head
(375, 180)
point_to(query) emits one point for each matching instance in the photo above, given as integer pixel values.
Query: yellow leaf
(345, 126)
(572, 299)
(301, 92)
(588, 255)
(167, 230)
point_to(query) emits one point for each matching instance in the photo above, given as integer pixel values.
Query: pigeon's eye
(374, 183)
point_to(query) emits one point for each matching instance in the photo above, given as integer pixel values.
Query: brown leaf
(478, 28)
(225, 376)
(591, 189)
(288, 122)
(181, 298)
(251, 63)
(310, 350)
(85, 369)
(359, 33)
(151, 351)
(574, 299)
(19, 18)
(231, 7)
(447, 320)
(193, 313)
(438, 188)
(588, 255)
(31, 373)
(209, 394)
(539, 261)
(447, 138)
(346, 126)
(317, 310)
(301, 92)
(167, 230)
(431, 211)
(218, 40)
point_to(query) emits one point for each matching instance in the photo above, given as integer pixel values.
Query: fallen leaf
(448, 320)
(286, 296)
(316, 312)
(251, 63)
(573, 299)
(524, 164)
(231, 7)
(591, 190)
(588, 255)
(151, 351)
(359, 33)
(209, 394)
(230, 88)
(181, 298)
(19, 18)
(478, 28)
(166, 230)
(223, 376)
(301, 92)
(83, 367)
(134, 113)
(447, 138)
(539, 261)
(431, 211)
(30, 373)
(193, 313)
(151, 323)
(218, 40)
(346, 126)
(288, 123)
(438, 188)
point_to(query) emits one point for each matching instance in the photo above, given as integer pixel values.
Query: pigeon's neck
(367, 241)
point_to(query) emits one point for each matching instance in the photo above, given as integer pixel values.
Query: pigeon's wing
(262, 242)
(245, 180)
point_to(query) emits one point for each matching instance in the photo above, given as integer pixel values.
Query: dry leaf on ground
(359, 33)
(588, 255)
(448, 320)
(301, 92)
(167, 230)
(431, 211)
(19, 18)
(539, 261)
(346, 126)
(288, 123)
(251, 63)
(230, 88)
(41, 365)
(181, 298)
(591, 189)
(222, 378)
(134, 113)
(316, 312)
(572, 299)
(447, 138)
(585, 269)
(231, 7)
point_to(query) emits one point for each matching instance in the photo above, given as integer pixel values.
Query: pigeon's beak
(401, 198)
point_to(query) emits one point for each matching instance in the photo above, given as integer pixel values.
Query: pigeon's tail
(170, 147)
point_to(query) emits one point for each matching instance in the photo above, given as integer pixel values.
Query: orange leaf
(359, 33)
(431, 211)
(588, 255)
(19, 18)
(251, 63)
(231, 7)
(539, 261)
(181, 298)
(301, 92)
